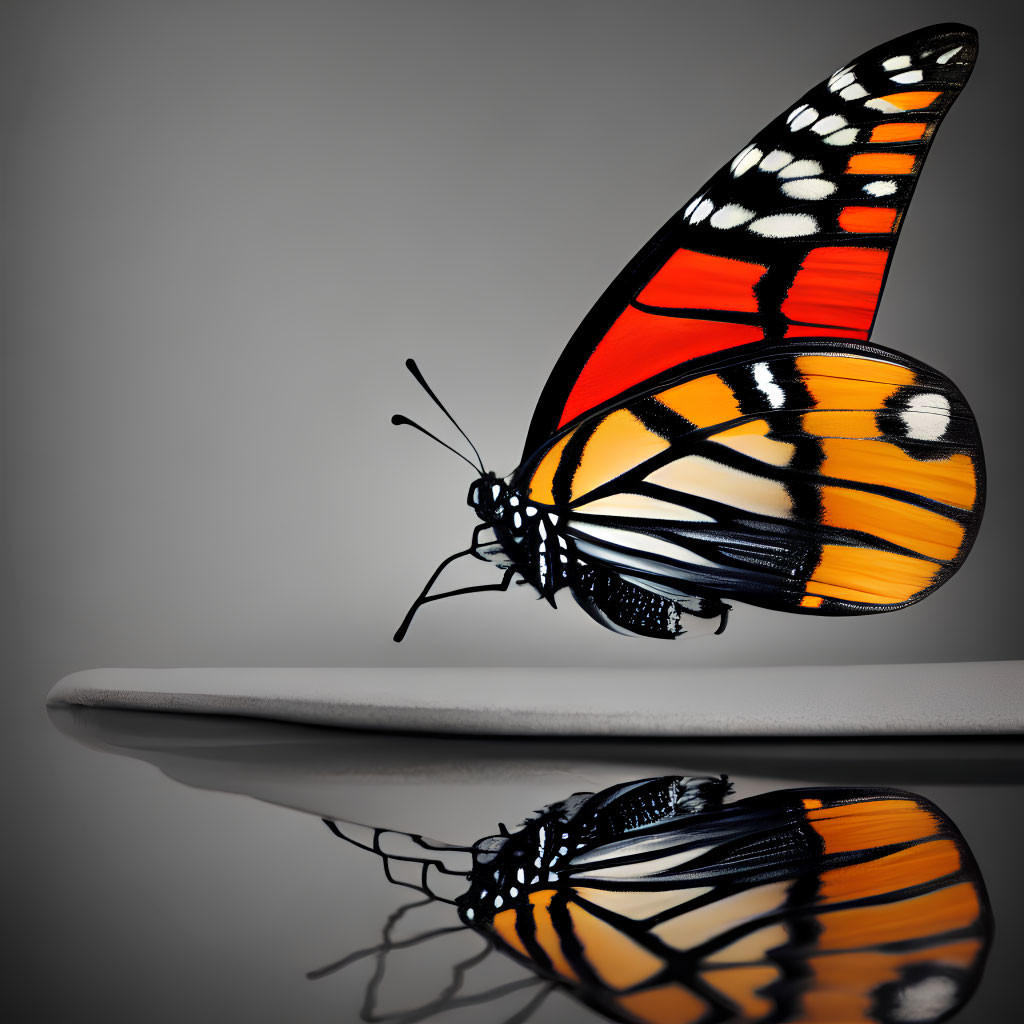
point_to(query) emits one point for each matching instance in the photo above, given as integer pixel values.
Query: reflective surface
(167, 902)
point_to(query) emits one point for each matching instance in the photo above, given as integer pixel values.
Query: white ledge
(962, 698)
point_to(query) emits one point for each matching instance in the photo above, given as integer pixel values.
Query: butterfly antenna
(415, 371)
(399, 420)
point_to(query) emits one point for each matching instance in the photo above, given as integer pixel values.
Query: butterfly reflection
(657, 902)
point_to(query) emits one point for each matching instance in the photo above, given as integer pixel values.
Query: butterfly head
(489, 498)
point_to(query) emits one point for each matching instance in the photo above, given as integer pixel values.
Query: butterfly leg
(474, 544)
(506, 582)
(450, 997)
(473, 550)
(388, 943)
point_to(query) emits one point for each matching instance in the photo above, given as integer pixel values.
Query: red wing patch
(641, 345)
(837, 286)
(697, 280)
(795, 231)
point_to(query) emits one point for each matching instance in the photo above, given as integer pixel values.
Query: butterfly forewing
(792, 237)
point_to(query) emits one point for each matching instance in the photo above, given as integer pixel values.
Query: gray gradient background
(224, 226)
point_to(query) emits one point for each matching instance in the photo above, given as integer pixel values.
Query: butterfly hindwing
(823, 477)
(792, 238)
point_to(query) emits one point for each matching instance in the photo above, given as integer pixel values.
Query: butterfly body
(721, 426)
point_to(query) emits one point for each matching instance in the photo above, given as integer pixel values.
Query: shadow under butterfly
(658, 902)
(720, 426)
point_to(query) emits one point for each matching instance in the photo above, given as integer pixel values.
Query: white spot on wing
(926, 417)
(702, 211)
(925, 1000)
(829, 124)
(801, 169)
(692, 205)
(767, 385)
(731, 216)
(880, 188)
(746, 159)
(843, 137)
(908, 77)
(854, 92)
(948, 55)
(784, 225)
(883, 105)
(803, 119)
(775, 160)
(895, 63)
(795, 112)
(808, 188)
(841, 81)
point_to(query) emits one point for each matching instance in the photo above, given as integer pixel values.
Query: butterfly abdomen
(631, 607)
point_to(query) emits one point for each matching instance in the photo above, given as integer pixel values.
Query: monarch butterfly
(719, 425)
(655, 902)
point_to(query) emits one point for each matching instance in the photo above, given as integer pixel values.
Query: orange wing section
(898, 131)
(868, 220)
(901, 506)
(619, 443)
(849, 394)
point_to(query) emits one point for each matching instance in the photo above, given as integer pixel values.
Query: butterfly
(719, 425)
(658, 901)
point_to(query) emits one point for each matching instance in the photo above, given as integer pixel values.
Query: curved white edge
(963, 698)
